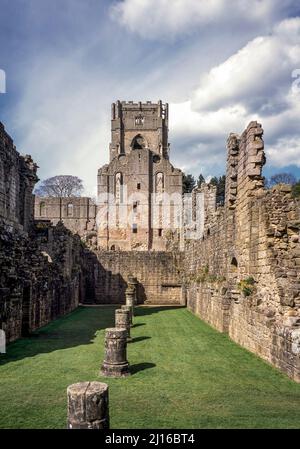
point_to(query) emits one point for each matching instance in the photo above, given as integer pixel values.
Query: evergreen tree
(214, 181)
(296, 189)
(220, 184)
(221, 189)
(201, 180)
(188, 183)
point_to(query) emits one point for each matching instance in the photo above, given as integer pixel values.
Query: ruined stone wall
(242, 277)
(17, 179)
(77, 214)
(40, 265)
(40, 277)
(157, 273)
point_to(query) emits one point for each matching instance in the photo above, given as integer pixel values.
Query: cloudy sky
(219, 64)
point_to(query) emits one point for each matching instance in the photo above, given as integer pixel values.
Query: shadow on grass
(141, 310)
(134, 369)
(137, 339)
(75, 329)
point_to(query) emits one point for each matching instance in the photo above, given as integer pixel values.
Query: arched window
(234, 263)
(138, 143)
(159, 183)
(70, 210)
(43, 209)
(139, 120)
(119, 187)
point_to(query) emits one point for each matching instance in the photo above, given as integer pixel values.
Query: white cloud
(62, 116)
(60, 122)
(285, 151)
(258, 76)
(255, 83)
(153, 19)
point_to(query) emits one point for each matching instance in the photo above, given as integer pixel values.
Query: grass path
(185, 375)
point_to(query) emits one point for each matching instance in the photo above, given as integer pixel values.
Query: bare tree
(60, 186)
(281, 178)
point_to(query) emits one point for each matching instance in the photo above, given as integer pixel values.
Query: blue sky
(219, 67)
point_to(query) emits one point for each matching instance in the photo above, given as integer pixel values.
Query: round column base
(108, 370)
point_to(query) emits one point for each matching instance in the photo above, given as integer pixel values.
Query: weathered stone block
(115, 362)
(88, 406)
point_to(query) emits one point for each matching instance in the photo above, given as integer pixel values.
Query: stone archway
(138, 143)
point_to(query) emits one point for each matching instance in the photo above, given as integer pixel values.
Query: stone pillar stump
(115, 362)
(122, 321)
(88, 406)
(129, 310)
(132, 286)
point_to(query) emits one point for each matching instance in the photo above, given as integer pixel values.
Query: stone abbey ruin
(240, 274)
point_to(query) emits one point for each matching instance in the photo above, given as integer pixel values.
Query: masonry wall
(17, 179)
(157, 274)
(242, 277)
(40, 264)
(40, 277)
(77, 214)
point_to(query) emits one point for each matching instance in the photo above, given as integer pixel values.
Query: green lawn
(184, 375)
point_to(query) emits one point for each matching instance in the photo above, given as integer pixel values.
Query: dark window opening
(138, 142)
(234, 262)
(159, 232)
(138, 186)
(134, 228)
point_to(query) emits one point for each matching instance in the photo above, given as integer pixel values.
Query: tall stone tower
(139, 191)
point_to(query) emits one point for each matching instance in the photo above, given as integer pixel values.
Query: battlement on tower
(159, 109)
(145, 122)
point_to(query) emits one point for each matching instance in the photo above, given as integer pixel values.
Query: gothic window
(234, 263)
(119, 188)
(159, 183)
(42, 209)
(70, 210)
(139, 120)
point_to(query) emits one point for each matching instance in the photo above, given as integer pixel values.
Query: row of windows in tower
(119, 182)
(135, 230)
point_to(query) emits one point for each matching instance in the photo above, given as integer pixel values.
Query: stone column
(132, 285)
(129, 310)
(130, 297)
(115, 362)
(88, 406)
(122, 321)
